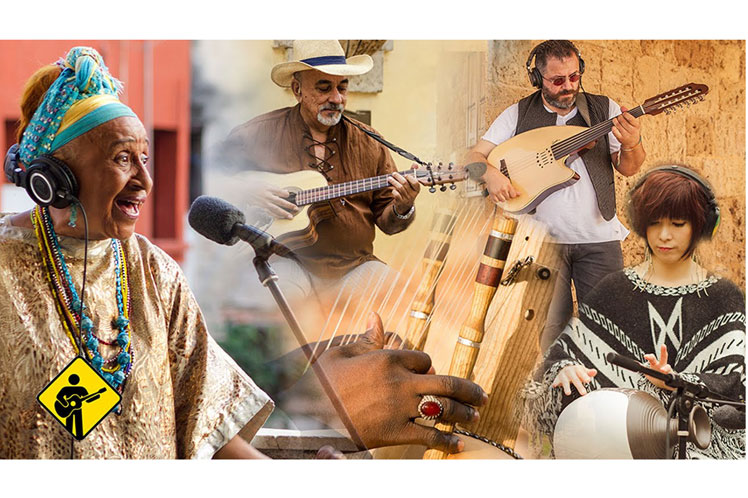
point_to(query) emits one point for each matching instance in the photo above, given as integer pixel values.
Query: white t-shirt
(571, 213)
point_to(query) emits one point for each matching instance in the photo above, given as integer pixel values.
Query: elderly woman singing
(76, 282)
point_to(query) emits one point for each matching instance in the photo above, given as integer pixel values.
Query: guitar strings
(424, 278)
(360, 311)
(463, 206)
(459, 281)
(454, 279)
(319, 194)
(444, 278)
(578, 141)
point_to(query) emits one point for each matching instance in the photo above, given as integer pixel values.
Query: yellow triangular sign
(79, 398)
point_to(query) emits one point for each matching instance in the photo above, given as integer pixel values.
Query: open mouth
(130, 207)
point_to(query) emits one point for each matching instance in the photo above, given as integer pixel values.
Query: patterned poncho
(702, 325)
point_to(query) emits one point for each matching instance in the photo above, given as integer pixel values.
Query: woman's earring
(648, 260)
(73, 215)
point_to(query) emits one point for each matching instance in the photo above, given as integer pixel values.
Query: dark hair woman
(668, 312)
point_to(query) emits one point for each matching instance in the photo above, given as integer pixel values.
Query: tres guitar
(535, 161)
(309, 191)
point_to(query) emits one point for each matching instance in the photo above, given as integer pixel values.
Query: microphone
(671, 379)
(635, 366)
(223, 223)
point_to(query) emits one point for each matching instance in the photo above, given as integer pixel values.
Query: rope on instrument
(500, 446)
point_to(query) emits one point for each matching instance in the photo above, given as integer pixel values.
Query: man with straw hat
(313, 134)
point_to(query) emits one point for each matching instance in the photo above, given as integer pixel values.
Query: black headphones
(536, 79)
(712, 216)
(47, 180)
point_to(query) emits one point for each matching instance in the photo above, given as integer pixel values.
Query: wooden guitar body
(529, 162)
(309, 190)
(298, 231)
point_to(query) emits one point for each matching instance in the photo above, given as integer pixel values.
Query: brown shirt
(280, 142)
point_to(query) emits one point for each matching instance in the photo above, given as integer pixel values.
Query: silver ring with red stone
(430, 408)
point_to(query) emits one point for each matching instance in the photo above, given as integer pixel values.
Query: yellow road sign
(79, 398)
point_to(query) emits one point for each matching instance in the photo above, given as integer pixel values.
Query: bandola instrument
(509, 349)
(310, 191)
(535, 160)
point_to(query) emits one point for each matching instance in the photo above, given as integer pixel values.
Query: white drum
(621, 424)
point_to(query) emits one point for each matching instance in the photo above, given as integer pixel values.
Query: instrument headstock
(672, 100)
(441, 174)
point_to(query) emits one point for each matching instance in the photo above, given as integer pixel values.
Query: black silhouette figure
(69, 404)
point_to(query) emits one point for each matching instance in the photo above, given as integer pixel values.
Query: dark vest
(532, 114)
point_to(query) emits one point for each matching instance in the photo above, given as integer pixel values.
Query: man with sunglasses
(581, 218)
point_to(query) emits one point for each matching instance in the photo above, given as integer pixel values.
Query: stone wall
(709, 137)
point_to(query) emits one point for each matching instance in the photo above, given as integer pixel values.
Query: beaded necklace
(78, 325)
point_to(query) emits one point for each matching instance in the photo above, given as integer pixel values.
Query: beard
(332, 120)
(555, 99)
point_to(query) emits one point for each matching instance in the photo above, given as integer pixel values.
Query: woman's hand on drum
(662, 366)
(578, 375)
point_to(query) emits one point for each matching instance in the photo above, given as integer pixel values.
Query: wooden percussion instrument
(509, 348)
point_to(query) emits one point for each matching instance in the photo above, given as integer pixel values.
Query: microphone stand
(686, 395)
(269, 279)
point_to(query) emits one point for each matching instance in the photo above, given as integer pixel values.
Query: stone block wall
(709, 137)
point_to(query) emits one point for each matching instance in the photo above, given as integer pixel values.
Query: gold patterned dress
(185, 397)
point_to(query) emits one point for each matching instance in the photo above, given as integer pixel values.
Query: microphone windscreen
(214, 219)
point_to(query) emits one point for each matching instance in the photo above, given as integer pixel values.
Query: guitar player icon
(69, 404)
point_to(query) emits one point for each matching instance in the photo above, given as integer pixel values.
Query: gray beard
(559, 104)
(329, 121)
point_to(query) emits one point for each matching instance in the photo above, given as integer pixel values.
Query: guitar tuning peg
(701, 97)
(452, 187)
(443, 188)
(432, 189)
(451, 166)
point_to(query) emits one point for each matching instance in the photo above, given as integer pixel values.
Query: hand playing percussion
(662, 366)
(577, 375)
(382, 391)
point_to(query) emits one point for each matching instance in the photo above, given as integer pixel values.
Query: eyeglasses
(559, 80)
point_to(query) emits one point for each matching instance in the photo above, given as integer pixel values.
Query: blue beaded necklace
(76, 321)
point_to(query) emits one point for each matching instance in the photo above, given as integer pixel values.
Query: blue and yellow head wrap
(81, 98)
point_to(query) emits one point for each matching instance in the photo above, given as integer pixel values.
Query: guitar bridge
(544, 158)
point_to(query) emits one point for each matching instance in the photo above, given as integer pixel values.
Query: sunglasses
(559, 80)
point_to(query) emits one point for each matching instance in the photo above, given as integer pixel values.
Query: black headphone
(536, 79)
(47, 180)
(712, 216)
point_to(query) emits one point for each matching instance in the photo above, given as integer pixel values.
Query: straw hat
(324, 55)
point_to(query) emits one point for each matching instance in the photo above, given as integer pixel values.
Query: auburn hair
(33, 94)
(667, 194)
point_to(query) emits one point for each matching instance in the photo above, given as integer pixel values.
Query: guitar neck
(578, 141)
(320, 194)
